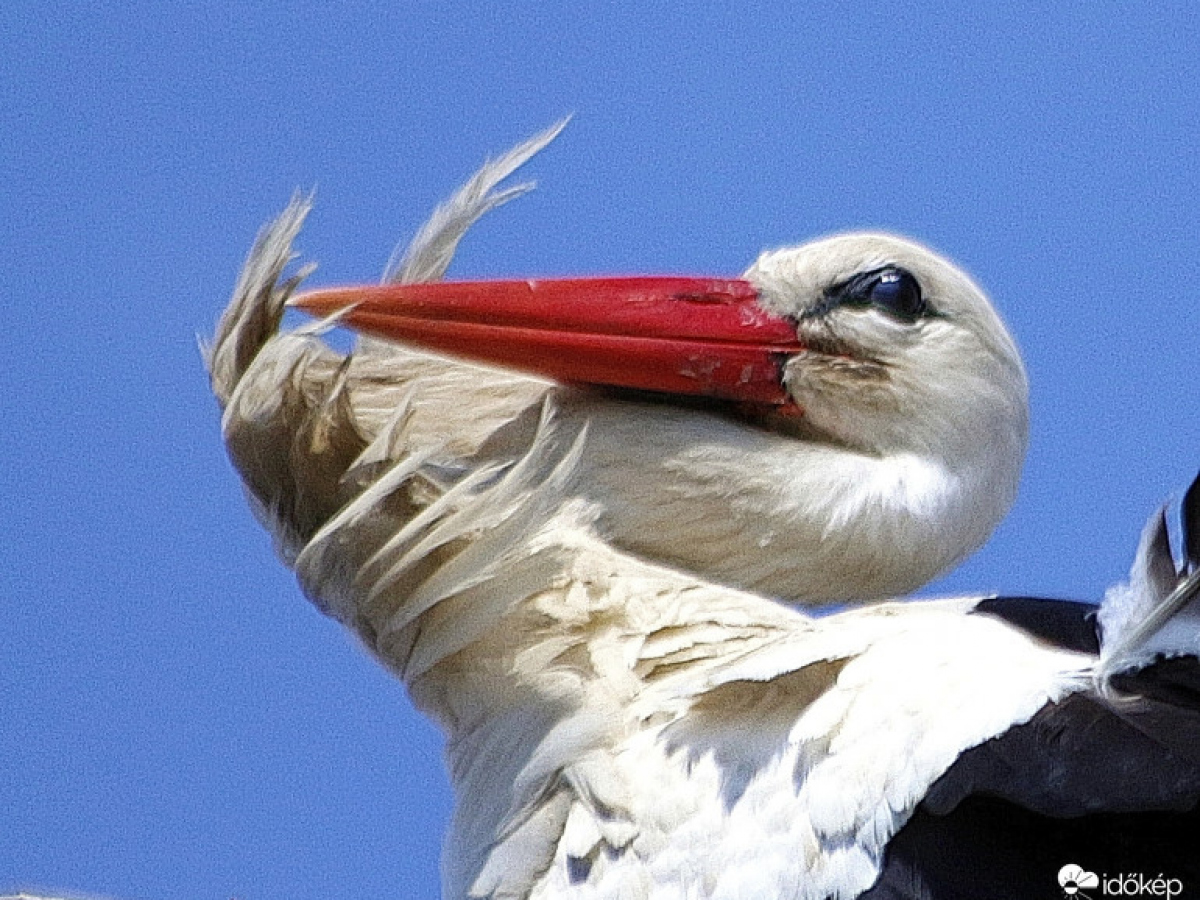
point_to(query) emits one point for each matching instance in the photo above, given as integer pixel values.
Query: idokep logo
(1076, 881)
(1073, 879)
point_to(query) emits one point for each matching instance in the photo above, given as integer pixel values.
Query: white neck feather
(797, 519)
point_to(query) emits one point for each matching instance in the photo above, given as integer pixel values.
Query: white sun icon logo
(1073, 879)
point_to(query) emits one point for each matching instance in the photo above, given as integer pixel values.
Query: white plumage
(562, 577)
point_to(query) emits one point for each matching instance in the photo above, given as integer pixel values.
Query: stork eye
(893, 290)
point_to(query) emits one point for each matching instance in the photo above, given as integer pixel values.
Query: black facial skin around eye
(891, 290)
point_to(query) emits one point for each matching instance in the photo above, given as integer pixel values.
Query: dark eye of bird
(892, 290)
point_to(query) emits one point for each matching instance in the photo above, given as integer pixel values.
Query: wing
(1109, 777)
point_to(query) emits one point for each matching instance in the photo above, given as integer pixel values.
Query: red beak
(695, 336)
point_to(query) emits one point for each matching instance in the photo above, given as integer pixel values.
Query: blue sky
(179, 722)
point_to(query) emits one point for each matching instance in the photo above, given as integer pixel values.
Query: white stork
(569, 569)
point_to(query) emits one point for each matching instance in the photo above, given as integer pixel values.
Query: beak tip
(322, 303)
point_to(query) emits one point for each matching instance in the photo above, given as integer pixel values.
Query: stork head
(901, 350)
(867, 340)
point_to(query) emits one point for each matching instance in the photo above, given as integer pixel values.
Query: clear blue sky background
(178, 722)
